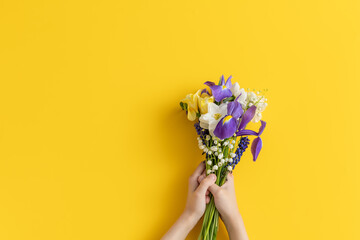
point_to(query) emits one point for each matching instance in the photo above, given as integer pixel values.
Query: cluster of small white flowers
(215, 147)
(223, 162)
(259, 101)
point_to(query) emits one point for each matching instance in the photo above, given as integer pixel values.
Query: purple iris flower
(227, 126)
(222, 90)
(257, 143)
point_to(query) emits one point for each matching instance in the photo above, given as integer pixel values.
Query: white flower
(222, 161)
(243, 98)
(235, 89)
(209, 162)
(207, 137)
(208, 171)
(219, 150)
(261, 106)
(226, 143)
(229, 168)
(231, 146)
(220, 164)
(232, 155)
(220, 156)
(252, 97)
(215, 167)
(214, 148)
(219, 145)
(198, 138)
(257, 117)
(209, 152)
(230, 160)
(232, 141)
(206, 150)
(216, 153)
(201, 147)
(210, 119)
(215, 142)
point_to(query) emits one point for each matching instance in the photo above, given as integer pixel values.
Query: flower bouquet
(222, 114)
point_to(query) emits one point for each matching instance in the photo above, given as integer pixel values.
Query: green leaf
(229, 99)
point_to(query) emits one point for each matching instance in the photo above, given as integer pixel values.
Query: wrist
(235, 227)
(233, 220)
(189, 219)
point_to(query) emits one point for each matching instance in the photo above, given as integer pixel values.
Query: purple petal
(228, 82)
(205, 91)
(226, 127)
(234, 109)
(246, 132)
(219, 93)
(222, 83)
(248, 115)
(256, 147)
(210, 84)
(262, 127)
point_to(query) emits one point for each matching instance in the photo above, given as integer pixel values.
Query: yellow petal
(191, 114)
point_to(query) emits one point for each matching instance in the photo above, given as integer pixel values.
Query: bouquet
(222, 114)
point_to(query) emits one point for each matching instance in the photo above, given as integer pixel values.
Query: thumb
(214, 189)
(206, 183)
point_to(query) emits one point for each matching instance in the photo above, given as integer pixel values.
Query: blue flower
(221, 91)
(243, 145)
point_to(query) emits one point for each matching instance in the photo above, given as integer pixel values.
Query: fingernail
(213, 176)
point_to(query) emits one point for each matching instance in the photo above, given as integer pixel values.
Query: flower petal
(234, 109)
(210, 84)
(245, 132)
(248, 115)
(256, 147)
(262, 127)
(220, 93)
(222, 80)
(205, 91)
(226, 127)
(228, 82)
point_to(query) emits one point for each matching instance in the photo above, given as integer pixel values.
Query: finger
(230, 180)
(200, 168)
(201, 177)
(193, 184)
(207, 199)
(205, 184)
(207, 193)
(214, 189)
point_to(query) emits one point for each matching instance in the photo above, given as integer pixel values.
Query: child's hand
(195, 205)
(198, 192)
(225, 202)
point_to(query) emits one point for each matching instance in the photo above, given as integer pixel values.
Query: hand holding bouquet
(222, 114)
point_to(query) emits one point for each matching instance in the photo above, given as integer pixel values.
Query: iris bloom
(257, 142)
(221, 91)
(228, 125)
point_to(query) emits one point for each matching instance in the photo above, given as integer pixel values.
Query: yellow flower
(192, 106)
(203, 100)
(197, 104)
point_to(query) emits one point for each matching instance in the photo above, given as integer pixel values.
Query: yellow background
(94, 145)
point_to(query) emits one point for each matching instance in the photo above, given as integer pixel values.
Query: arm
(225, 202)
(195, 205)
